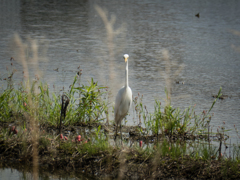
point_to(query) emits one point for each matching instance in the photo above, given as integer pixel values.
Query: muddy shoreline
(104, 166)
(112, 162)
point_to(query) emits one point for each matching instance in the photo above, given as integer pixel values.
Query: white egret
(123, 100)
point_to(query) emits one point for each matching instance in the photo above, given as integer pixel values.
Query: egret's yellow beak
(126, 59)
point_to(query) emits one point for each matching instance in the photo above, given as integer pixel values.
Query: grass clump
(87, 104)
(167, 120)
(19, 104)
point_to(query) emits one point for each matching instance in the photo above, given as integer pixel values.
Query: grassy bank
(93, 155)
(171, 143)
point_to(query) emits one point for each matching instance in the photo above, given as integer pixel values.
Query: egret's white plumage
(123, 99)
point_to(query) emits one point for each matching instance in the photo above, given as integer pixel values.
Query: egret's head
(125, 57)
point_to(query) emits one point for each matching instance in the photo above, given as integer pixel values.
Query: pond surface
(72, 33)
(13, 174)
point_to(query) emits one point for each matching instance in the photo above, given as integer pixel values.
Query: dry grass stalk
(112, 50)
(155, 162)
(168, 74)
(123, 165)
(111, 35)
(28, 52)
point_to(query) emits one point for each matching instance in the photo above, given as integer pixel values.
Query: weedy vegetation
(171, 142)
(70, 130)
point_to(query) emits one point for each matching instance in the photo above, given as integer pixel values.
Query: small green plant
(207, 152)
(90, 106)
(5, 111)
(169, 120)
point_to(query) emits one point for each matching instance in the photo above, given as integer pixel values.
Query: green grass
(169, 120)
(86, 104)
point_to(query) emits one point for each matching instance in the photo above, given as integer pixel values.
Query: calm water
(13, 174)
(74, 34)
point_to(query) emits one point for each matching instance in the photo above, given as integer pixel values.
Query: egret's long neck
(126, 75)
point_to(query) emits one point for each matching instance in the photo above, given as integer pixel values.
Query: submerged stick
(220, 147)
(65, 102)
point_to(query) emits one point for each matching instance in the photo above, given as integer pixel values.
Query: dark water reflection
(13, 174)
(74, 35)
